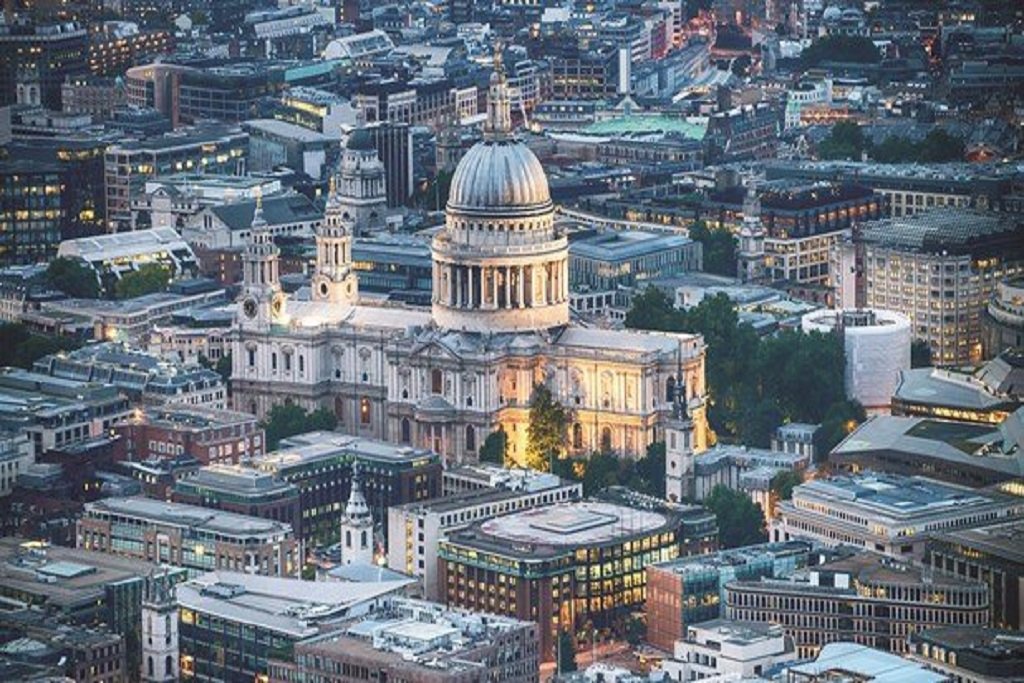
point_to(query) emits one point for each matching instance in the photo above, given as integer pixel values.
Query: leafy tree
(920, 354)
(73, 277)
(784, 482)
(650, 471)
(495, 447)
(760, 421)
(653, 310)
(740, 520)
(840, 420)
(22, 348)
(844, 141)
(857, 49)
(601, 471)
(635, 630)
(939, 146)
(546, 433)
(719, 249)
(223, 367)
(289, 419)
(566, 652)
(149, 278)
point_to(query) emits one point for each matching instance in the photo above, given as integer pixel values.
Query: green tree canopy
(495, 447)
(149, 278)
(740, 520)
(845, 141)
(838, 48)
(938, 146)
(289, 419)
(22, 348)
(73, 277)
(840, 420)
(719, 249)
(548, 429)
(784, 482)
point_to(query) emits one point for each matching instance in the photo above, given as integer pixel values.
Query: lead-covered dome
(499, 175)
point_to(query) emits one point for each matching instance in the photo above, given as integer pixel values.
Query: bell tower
(159, 631)
(750, 258)
(357, 526)
(262, 302)
(335, 281)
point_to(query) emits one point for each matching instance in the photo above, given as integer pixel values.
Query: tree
(920, 354)
(653, 310)
(566, 652)
(635, 630)
(23, 348)
(939, 146)
(784, 482)
(719, 249)
(740, 520)
(838, 48)
(223, 367)
(149, 278)
(840, 420)
(844, 141)
(601, 471)
(73, 277)
(495, 447)
(650, 471)
(289, 419)
(546, 433)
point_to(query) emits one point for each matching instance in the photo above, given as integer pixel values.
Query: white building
(732, 650)
(119, 254)
(876, 344)
(170, 201)
(499, 324)
(357, 527)
(159, 634)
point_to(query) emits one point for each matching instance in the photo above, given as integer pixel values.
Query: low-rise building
(886, 513)
(612, 259)
(850, 661)
(546, 564)
(726, 648)
(227, 226)
(74, 653)
(970, 655)
(422, 642)
(691, 590)
(196, 538)
(987, 395)
(206, 434)
(1003, 320)
(16, 454)
(260, 618)
(112, 257)
(414, 529)
(863, 598)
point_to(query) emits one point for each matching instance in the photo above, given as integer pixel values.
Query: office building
(885, 513)
(691, 590)
(420, 642)
(242, 490)
(72, 411)
(850, 661)
(542, 564)
(939, 268)
(863, 598)
(963, 453)
(120, 45)
(725, 648)
(746, 133)
(40, 56)
(16, 456)
(1002, 323)
(208, 435)
(393, 263)
(611, 260)
(49, 651)
(274, 143)
(254, 619)
(32, 210)
(986, 395)
(989, 553)
(414, 529)
(393, 142)
(320, 465)
(972, 655)
(186, 536)
(214, 148)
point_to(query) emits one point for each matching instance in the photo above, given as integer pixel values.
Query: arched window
(606, 439)
(406, 430)
(168, 665)
(470, 438)
(273, 361)
(436, 381)
(348, 539)
(362, 539)
(364, 411)
(670, 389)
(149, 665)
(577, 436)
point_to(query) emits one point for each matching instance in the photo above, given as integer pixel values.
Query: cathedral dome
(500, 175)
(360, 140)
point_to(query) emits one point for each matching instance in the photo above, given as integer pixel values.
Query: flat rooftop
(180, 515)
(735, 557)
(622, 246)
(1003, 539)
(312, 446)
(849, 661)
(941, 387)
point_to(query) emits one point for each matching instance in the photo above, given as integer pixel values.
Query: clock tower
(335, 281)
(262, 302)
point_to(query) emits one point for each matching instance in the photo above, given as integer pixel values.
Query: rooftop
(940, 229)
(1003, 539)
(190, 516)
(699, 564)
(620, 246)
(236, 480)
(859, 662)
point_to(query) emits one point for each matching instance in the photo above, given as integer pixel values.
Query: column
(458, 286)
(507, 272)
(565, 280)
(520, 272)
(470, 291)
(494, 287)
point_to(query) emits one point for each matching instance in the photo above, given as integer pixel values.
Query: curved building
(877, 348)
(1003, 321)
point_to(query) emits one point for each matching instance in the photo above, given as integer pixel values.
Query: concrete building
(691, 590)
(43, 54)
(32, 209)
(542, 564)
(726, 648)
(260, 618)
(186, 536)
(971, 655)
(111, 257)
(228, 227)
(859, 662)
(274, 143)
(876, 345)
(940, 269)
(16, 456)
(206, 434)
(990, 553)
(1002, 322)
(415, 529)
(171, 201)
(863, 598)
(420, 642)
(446, 379)
(986, 395)
(885, 513)
(626, 259)
(70, 413)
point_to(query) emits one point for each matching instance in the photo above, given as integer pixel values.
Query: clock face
(249, 308)
(277, 305)
(323, 288)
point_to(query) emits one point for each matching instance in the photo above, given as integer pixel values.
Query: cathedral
(499, 324)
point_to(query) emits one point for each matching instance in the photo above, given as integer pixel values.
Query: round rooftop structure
(360, 140)
(500, 176)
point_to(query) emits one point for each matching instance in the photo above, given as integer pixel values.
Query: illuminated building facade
(111, 53)
(31, 211)
(186, 536)
(574, 566)
(43, 52)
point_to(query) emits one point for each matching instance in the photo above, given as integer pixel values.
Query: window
(606, 439)
(406, 430)
(273, 361)
(168, 665)
(436, 381)
(670, 389)
(364, 411)
(252, 357)
(577, 436)
(470, 438)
